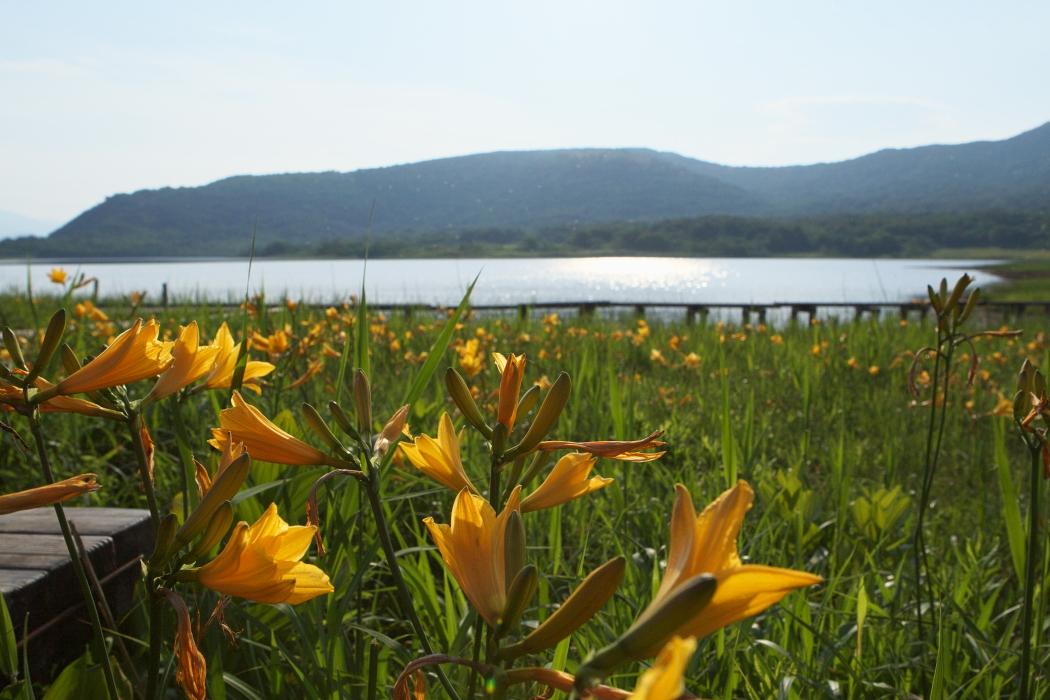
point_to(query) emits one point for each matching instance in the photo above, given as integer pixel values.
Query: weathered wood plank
(37, 579)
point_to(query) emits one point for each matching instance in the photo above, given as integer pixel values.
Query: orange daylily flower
(512, 371)
(569, 479)
(11, 396)
(624, 450)
(262, 562)
(57, 275)
(472, 546)
(706, 544)
(263, 440)
(133, 355)
(191, 362)
(230, 452)
(439, 459)
(221, 375)
(48, 494)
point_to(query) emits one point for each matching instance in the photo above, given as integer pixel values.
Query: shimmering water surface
(506, 280)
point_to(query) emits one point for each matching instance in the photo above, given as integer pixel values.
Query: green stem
(918, 539)
(98, 637)
(135, 427)
(404, 597)
(155, 641)
(1030, 567)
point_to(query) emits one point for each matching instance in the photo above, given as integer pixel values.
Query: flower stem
(404, 597)
(98, 637)
(1030, 567)
(135, 427)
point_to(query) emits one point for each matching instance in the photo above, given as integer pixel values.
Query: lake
(521, 280)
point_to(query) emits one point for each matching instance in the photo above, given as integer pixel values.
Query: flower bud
(224, 488)
(52, 337)
(460, 394)
(588, 598)
(514, 546)
(519, 594)
(343, 421)
(651, 631)
(11, 343)
(363, 402)
(164, 541)
(547, 417)
(217, 528)
(320, 428)
(70, 363)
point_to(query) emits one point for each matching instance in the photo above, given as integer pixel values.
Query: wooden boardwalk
(37, 580)
(692, 311)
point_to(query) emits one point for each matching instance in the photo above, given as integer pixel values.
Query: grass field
(818, 418)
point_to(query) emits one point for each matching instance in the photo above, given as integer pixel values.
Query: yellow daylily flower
(11, 395)
(439, 459)
(262, 562)
(48, 494)
(191, 362)
(263, 440)
(624, 450)
(569, 479)
(706, 544)
(133, 355)
(472, 546)
(664, 680)
(512, 371)
(221, 375)
(57, 275)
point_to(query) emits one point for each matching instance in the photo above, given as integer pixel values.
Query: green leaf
(437, 350)
(1011, 509)
(8, 645)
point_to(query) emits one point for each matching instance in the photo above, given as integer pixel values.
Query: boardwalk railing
(693, 310)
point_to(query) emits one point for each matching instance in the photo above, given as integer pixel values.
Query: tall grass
(817, 417)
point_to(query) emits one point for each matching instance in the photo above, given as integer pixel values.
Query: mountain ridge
(549, 189)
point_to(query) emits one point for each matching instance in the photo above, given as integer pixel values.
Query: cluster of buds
(1032, 411)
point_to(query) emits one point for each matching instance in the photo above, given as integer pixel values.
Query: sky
(104, 98)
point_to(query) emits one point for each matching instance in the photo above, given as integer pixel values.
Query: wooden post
(639, 310)
(164, 295)
(523, 311)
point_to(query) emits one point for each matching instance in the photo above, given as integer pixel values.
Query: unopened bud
(343, 421)
(52, 337)
(164, 541)
(514, 545)
(217, 527)
(547, 417)
(588, 598)
(15, 350)
(320, 428)
(224, 488)
(461, 396)
(363, 402)
(519, 594)
(652, 630)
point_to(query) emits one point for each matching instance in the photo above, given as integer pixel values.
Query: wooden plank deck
(37, 579)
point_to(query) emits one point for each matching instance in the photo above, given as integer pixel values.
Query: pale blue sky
(106, 97)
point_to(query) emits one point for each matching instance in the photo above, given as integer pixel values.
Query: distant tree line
(863, 235)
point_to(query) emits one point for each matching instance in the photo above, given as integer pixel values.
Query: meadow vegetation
(830, 424)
